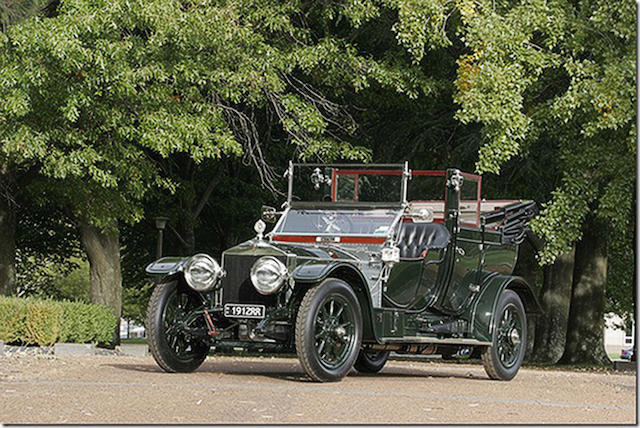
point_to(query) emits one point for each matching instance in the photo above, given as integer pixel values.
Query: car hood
(306, 251)
(311, 262)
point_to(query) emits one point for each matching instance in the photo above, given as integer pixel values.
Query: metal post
(406, 174)
(159, 244)
(290, 184)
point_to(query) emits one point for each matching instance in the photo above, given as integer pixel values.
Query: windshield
(337, 222)
(347, 183)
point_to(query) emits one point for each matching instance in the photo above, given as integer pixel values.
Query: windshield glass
(347, 183)
(338, 222)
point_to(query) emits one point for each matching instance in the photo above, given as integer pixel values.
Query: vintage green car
(362, 260)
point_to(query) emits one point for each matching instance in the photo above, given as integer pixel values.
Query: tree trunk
(585, 330)
(7, 233)
(105, 275)
(551, 326)
(189, 237)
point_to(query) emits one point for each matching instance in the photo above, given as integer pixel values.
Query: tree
(555, 77)
(101, 94)
(7, 232)
(11, 12)
(585, 338)
(547, 72)
(555, 298)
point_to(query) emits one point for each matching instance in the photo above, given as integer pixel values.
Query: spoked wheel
(503, 358)
(370, 361)
(328, 330)
(170, 311)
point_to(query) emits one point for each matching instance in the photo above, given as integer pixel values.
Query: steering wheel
(333, 223)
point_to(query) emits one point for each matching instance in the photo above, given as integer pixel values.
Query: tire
(173, 351)
(448, 357)
(369, 361)
(503, 358)
(327, 342)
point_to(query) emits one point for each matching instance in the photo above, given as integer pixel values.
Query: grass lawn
(136, 341)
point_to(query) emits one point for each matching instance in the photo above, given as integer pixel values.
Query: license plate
(237, 310)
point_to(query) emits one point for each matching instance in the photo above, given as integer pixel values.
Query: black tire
(170, 356)
(448, 356)
(370, 361)
(503, 358)
(314, 325)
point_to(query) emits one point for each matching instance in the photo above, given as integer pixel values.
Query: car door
(463, 280)
(414, 281)
(463, 216)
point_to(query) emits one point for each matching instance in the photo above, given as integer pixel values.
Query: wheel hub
(334, 331)
(514, 336)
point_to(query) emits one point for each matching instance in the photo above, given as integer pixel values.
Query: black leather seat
(414, 238)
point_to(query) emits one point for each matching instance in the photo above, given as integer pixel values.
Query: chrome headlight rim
(276, 267)
(202, 281)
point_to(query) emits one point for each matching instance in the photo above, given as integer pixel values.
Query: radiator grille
(237, 286)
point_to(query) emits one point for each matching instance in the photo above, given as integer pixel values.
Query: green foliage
(73, 286)
(12, 319)
(97, 97)
(13, 11)
(539, 70)
(135, 298)
(44, 322)
(86, 323)
(126, 106)
(550, 81)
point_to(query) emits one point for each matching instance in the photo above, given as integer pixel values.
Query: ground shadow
(291, 371)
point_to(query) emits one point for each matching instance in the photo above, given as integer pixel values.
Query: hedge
(44, 322)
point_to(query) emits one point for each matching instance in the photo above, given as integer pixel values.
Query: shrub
(44, 322)
(13, 316)
(83, 323)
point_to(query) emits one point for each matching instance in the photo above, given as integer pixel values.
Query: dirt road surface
(120, 389)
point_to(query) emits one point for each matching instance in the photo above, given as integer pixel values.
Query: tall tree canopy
(111, 104)
(99, 95)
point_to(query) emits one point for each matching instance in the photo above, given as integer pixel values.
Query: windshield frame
(403, 171)
(398, 213)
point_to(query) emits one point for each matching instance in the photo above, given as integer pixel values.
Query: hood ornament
(259, 227)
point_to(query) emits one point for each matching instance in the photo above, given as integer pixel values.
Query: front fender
(316, 271)
(482, 315)
(166, 266)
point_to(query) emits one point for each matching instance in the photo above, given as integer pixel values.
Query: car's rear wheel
(328, 330)
(503, 358)
(370, 361)
(169, 311)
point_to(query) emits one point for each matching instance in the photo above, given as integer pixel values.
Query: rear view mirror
(269, 214)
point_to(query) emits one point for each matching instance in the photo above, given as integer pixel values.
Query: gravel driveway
(120, 389)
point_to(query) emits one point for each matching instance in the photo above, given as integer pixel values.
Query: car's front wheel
(503, 358)
(328, 330)
(170, 310)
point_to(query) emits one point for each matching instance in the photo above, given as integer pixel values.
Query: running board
(448, 341)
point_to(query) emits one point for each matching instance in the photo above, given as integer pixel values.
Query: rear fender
(315, 272)
(482, 315)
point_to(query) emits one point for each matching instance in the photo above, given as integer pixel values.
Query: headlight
(268, 274)
(202, 272)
